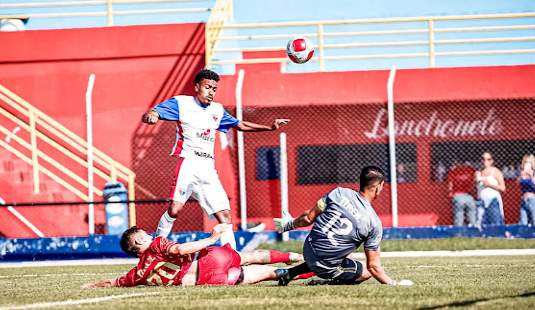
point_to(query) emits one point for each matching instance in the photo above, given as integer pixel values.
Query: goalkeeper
(343, 220)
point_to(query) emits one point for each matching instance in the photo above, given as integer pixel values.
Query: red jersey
(157, 266)
(462, 179)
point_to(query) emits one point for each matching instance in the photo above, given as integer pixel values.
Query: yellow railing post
(109, 12)
(431, 44)
(35, 162)
(131, 197)
(229, 11)
(222, 10)
(320, 47)
(113, 172)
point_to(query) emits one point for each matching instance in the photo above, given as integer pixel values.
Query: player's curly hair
(126, 241)
(206, 74)
(371, 175)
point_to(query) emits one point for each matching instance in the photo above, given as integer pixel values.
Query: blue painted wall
(108, 246)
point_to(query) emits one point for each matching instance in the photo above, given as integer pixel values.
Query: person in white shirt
(490, 184)
(197, 119)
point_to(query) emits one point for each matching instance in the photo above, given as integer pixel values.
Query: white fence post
(284, 180)
(89, 128)
(241, 152)
(392, 146)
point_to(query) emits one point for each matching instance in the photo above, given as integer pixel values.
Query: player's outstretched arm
(101, 284)
(249, 126)
(287, 223)
(195, 246)
(373, 264)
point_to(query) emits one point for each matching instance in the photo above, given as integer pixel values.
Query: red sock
(305, 275)
(278, 257)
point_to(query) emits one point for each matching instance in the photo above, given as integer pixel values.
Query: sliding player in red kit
(164, 262)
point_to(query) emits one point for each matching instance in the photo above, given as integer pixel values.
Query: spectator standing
(460, 186)
(490, 185)
(527, 186)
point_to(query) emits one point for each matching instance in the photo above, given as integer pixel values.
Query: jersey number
(345, 227)
(163, 270)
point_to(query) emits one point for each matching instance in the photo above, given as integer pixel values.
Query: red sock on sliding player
(305, 275)
(278, 257)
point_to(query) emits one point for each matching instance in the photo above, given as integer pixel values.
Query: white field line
(56, 275)
(465, 253)
(71, 302)
(63, 263)
(133, 261)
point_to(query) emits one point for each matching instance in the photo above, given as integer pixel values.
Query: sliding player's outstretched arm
(373, 264)
(125, 280)
(195, 246)
(101, 283)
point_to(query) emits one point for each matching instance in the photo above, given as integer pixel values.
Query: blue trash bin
(115, 208)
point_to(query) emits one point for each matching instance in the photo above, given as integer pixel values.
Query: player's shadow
(151, 145)
(468, 303)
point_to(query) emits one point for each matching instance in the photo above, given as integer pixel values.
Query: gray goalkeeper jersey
(347, 221)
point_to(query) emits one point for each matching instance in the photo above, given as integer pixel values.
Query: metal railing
(47, 134)
(103, 8)
(384, 33)
(221, 13)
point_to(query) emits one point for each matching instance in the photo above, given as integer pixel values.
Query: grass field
(474, 282)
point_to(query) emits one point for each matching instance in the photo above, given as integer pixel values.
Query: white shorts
(197, 177)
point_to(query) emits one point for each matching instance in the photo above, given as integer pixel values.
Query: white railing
(99, 8)
(45, 133)
(421, 36)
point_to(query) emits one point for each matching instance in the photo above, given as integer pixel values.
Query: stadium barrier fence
(431, 140)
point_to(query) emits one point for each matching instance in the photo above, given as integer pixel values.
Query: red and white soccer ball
(300, 50)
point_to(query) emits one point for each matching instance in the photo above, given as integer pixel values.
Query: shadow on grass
(468, 303)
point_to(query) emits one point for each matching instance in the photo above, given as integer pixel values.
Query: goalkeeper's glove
(285, 223)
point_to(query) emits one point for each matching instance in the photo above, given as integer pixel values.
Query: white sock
(228, 237)
(165, 225)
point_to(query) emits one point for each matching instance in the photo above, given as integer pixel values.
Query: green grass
(451, 244)
(474, 282)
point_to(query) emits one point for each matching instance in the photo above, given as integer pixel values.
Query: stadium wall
(135, 68)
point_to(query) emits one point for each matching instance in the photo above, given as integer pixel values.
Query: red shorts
(219, 266)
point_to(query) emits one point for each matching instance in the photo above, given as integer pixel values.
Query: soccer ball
(300, 50)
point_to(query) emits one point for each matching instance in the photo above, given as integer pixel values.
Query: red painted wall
(136, 67)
